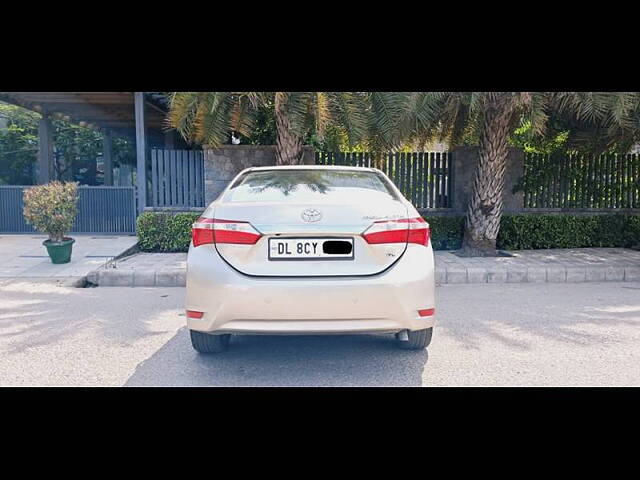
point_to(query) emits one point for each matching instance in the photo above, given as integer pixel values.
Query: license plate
(310, 248)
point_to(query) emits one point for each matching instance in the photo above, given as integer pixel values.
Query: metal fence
(177, 178)
(100, 210)
(581, 181)
(424, 178)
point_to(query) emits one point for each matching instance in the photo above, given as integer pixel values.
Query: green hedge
(167, 232)
(446, 232)
(532, 231)
(519, 232)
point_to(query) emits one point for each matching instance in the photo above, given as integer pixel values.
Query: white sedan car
(310, 250)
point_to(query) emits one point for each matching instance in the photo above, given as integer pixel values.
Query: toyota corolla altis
(310, 250)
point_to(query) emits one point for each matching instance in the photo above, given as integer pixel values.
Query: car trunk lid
(308, 223)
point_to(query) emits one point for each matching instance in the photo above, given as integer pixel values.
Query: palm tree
(209, 117)
(492, 116)
(609, 122)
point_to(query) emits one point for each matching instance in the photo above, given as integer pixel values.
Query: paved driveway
(24, 256)
(521, 334)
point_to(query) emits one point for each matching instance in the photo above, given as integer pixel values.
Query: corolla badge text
(311, 215)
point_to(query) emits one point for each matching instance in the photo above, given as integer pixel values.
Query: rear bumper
(236, 303)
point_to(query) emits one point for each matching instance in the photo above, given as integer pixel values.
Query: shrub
(165, 232)
(446, 232)
(568, 231)
(532, 231)
(632, 232)
(52, 208)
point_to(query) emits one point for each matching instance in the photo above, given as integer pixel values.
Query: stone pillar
(221, 165)
(46, 171)
(465, 160)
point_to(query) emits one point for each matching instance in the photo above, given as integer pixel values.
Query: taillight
(202, 232)
(213, 230)
(418, 231)
(405, 230)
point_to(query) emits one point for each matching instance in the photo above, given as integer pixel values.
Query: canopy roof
(105, 110)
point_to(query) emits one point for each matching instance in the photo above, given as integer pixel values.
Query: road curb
(176, 277)
(113, 277)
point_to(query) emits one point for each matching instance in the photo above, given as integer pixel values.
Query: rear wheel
(418, 339)
(208, 343)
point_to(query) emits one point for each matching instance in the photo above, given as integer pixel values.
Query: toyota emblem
(311, 215)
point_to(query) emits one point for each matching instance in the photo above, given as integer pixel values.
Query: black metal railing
(424, 178)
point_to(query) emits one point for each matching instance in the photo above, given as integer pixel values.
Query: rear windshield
(308, 186)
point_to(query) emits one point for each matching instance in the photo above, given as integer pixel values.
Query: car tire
(209, 343)
(418, 339)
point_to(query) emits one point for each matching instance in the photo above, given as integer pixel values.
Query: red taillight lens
(210, 230)
(427, 312)
(406, 230)
(194, 314)
(419, 231)
(202, 232)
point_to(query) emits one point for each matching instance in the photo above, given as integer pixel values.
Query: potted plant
(52, 209)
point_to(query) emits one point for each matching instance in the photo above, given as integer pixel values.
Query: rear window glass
(308, 186)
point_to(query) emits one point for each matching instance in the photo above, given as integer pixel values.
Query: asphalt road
(520, 334)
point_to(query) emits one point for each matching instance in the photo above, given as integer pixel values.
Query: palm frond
(242, 115)
(183, 107)
(538, 116)
(385, 112)
(212, 123)
(296, 104)
(349, 112)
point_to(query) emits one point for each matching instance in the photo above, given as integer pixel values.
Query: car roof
(310, 167)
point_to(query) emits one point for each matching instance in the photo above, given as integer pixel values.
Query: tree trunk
(485, 202)
(288, 143)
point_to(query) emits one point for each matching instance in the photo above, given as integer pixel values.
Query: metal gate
(177, 178)
(424, 178)
(109, 210)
